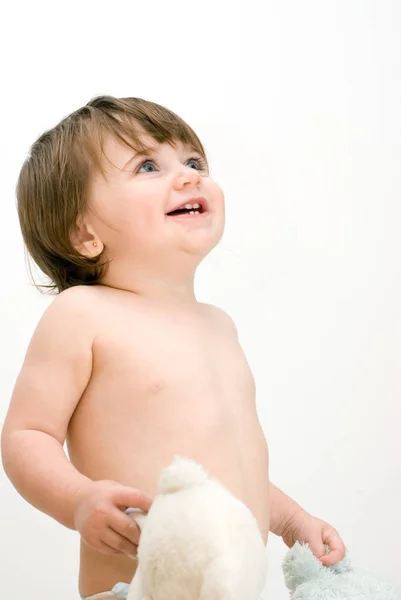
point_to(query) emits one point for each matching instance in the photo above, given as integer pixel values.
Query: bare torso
(165, 381)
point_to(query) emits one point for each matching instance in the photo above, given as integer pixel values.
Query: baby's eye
(146, 162)
(199, 161)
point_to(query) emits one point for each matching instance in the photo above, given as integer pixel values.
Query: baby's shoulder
(75, 309)
(221, 317)
(66, 328)
(78, 299)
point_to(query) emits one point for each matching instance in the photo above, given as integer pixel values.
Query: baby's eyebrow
(138, 154)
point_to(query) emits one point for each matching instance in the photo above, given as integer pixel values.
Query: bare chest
(163, 384)
(159, 356)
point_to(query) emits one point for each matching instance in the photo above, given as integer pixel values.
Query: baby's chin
(201, 244)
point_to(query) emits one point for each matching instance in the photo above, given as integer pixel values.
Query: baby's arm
(294, 524)
(55, 373)
(282, 510)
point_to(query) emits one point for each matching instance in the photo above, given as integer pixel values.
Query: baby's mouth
(187, 209)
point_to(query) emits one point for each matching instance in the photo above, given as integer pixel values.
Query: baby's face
(129, 208)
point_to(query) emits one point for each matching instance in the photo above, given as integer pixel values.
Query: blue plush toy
(308, 579)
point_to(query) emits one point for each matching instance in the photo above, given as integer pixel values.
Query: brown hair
(53, 183)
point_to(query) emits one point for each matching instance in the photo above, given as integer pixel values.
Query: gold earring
(95, 244)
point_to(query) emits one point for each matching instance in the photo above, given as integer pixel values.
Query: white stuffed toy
(198, 542)
(308, 579)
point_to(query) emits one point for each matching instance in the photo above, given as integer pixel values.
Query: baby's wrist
(285, 524)
(79, 496)
(282, 510)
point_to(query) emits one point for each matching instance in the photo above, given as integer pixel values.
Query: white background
(299, 107)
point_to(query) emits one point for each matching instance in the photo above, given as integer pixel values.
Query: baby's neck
(155, 289)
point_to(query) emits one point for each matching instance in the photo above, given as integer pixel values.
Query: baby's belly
(132, 447)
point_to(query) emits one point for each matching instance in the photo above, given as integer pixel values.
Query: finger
(317, 547)
(126, 497)
(125, 526)
(336, 545)
(119, 543)
(102, 547)
(138, 516)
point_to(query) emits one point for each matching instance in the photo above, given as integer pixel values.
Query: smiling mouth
(189, 216)
(188, 210)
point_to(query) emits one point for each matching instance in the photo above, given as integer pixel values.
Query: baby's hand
(101, 522)
(305, 528)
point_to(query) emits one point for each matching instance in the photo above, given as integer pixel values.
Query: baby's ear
(85, 240)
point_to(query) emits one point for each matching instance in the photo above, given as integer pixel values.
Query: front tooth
(188, 206)
(192, 212)
(195, 205)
